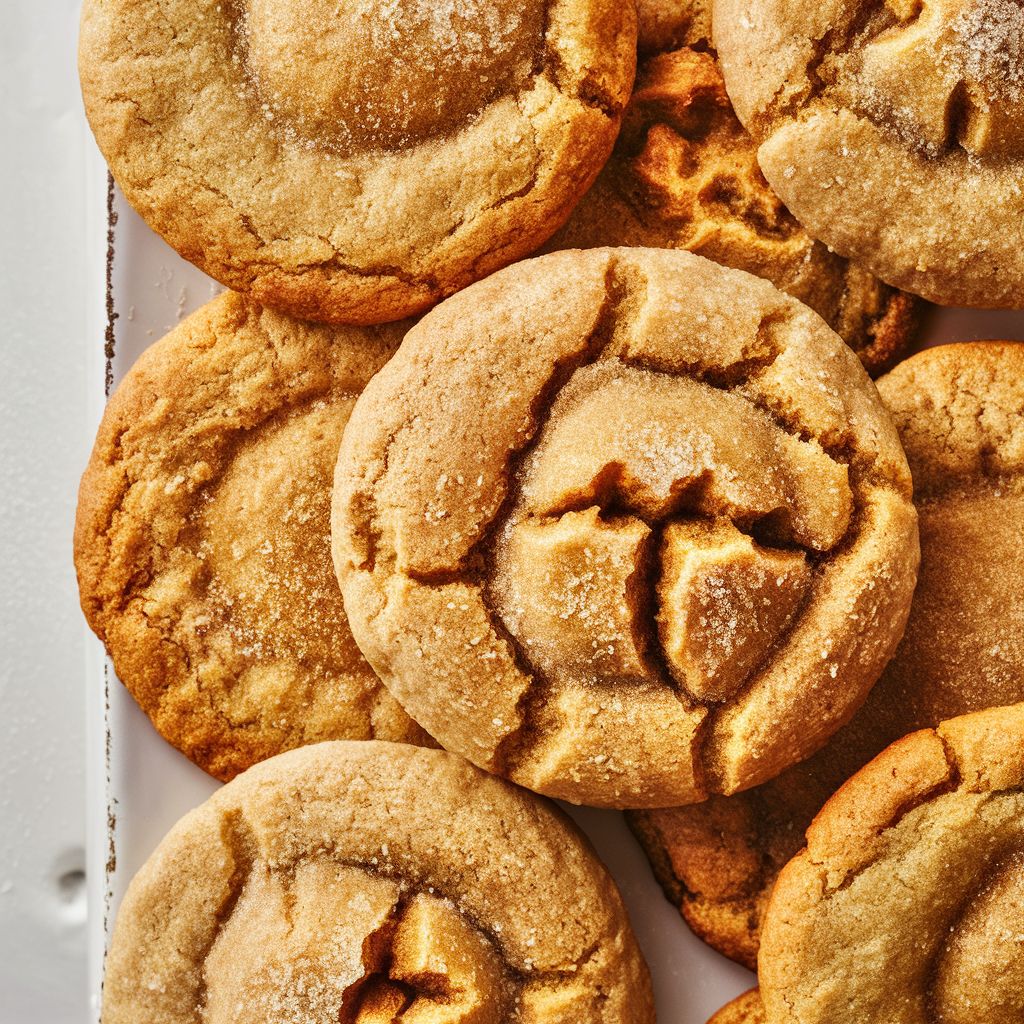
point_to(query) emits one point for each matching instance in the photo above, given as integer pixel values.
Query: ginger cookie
(684, 175)
(356, 162)
(625, 526)
(202, 540)
(908, 903)
(321, 886)
(894, 132)
(960, 413)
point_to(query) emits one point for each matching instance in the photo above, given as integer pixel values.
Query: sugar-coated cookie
(355, 162)
(684, 175)
(908, 903)
(894, 132)
(202, 539)
(960, 413)
(625, 526)
(363, 882)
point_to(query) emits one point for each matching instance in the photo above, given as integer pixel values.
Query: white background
(51, 285)
(51, 673)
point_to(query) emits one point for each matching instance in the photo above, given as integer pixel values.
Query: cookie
(893, 131)
(321, 886)
(684, 175)
(960, 413)
(747, 1009)
(625, 526)
(202, 537)
(355, 163)
(908, 903)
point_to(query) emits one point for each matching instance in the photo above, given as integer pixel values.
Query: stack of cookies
(534, 453)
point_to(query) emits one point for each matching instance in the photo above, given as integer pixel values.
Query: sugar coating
(203, 537)
(366, 882)
(512, 527)
(906, 903)
(960, 413)
(355, 162)
(893, 132)
(383, 75)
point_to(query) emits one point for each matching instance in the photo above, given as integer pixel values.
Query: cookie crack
(239, 838)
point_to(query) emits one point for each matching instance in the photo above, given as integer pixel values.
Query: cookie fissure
(239, 841)
(622, 414)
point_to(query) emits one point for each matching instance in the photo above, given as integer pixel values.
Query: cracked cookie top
(684, 175)
(356, 162)
(625, 526)
(959, 410)
(322, 887)
(908, 902)
(894, 130)
(202, 540)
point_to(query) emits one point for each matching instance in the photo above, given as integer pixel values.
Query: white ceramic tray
(142, 785)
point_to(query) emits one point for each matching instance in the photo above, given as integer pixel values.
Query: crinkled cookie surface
(625, 526)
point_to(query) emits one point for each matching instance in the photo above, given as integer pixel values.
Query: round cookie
(684, 175)
(202, 537)
(355, 163)
(625, 526)
(960, 413)
(321, 886)
(893, 131)
(908, 903)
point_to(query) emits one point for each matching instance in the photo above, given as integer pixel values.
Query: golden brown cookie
(684, 175)
(747, 1009)
(960, 413)
(360, 882)
(355, 162)
(625, 526)
(908, 903)
(894, 132)
(202, 538)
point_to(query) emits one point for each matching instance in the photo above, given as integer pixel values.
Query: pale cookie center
(265, 540)
(951, 72)
(337, 945)
(663, 530)
(980, 975)
(366, 74)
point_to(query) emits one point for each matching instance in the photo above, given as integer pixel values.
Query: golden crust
(201, 539)
(684, 175)
(959, 410)
(892, 130)
(746, 1009)
(942, 811)
(321, 886)
(290, 180)
(703, 394)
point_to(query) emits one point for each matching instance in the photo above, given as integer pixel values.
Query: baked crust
(202, 537)
(959, 410)
(356, 882)
(893, 131)
(684, 175)
(549, 606)
(746, 1009)
(355, 164)
(906, 904)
